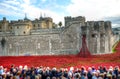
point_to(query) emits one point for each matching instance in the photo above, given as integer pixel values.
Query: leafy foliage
(60, 23)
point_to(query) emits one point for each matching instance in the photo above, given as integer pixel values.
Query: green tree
(60, 23)
(54, 25)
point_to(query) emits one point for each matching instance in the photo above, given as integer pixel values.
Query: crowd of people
(25, 72)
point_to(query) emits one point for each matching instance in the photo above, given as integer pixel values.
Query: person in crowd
(25, 72)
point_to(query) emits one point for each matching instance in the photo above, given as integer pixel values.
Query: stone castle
(42, 37)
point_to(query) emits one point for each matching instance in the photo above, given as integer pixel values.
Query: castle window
(34, 25)
(94, 35)
(24, 32)
(17, 27)
(117, 33)
(10, 27)
(102, 35)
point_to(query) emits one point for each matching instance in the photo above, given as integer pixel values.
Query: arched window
(102, 35)
(24, 32)
(94, 35)
(34, 25)
(117, 33)
(17, 27)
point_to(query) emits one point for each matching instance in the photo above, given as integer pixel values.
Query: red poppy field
(64, 61)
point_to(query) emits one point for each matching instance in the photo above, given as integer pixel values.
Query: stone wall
(64, 41)
(99, 37)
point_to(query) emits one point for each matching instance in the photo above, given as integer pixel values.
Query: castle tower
(70, 20)
(49, 23)
(26, 19)
(109, 34)
(40, 18)
(5, 24)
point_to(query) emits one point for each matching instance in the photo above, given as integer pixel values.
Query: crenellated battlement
(39, 37)
(70, 19)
